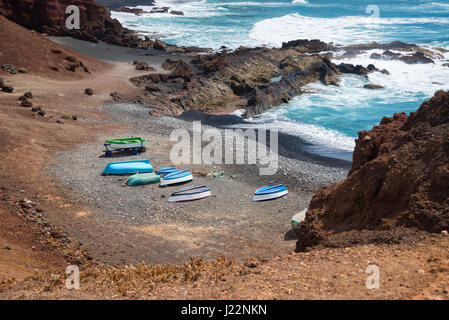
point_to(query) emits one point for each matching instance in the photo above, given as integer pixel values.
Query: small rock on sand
(89, 92)
(26, 103)
(7, 89)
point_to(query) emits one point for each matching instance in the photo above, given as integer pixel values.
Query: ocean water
(329, 117)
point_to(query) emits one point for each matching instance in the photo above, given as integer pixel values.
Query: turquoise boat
(142, 179)
(128, 167)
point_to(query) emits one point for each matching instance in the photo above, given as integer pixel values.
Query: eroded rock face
(49, 16)
(399, 179)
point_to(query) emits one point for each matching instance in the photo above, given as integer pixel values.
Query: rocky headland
(399, 179)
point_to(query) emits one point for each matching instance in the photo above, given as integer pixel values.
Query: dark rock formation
(26, 103)
(372, 86)
(88, 92)
(177, 13)
(243, 79)
(135, 11)
(311, 46)
(143, 66)
(399, 179)
(417, 57)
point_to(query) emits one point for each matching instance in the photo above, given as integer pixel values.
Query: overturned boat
(270, 193)
(190, 194)
(128, 167)
(176, 177)
(164, 171)
(127, 143)
(142, 179)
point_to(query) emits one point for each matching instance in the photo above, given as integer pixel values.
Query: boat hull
(142, 179)
(190, 194)
(128, 167)
(176, 178)
(114, 146)
(270, 193)
(165, 171)
(271, 196)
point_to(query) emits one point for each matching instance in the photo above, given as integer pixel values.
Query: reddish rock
(399, 179)
(48, 16)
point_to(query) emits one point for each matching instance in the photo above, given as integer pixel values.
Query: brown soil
(26, 49)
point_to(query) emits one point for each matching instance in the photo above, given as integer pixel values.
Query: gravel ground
(226, 223)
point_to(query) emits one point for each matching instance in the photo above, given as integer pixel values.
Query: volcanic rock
(372, 86)
(7, 89)
(242, 78)
(49, 16)
(26, 103)
(159, 45)
(399, 179)
(143, 66)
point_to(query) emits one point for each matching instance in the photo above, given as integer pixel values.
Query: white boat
(190, 194)
(176, 177)
(270, 193)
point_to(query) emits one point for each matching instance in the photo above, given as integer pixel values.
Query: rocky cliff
(399, 179)
(49, 16)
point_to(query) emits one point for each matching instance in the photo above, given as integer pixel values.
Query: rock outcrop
(49, 16)
(252, 79)
(399, 179)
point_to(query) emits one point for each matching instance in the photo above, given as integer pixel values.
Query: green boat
(126, 143)
(142, 179)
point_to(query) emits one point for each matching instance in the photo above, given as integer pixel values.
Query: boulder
(26, 103)
(143, 66)
(177, 13)
(7, 89)
(28, 95)
(372, 86)
(88, 92)
(159, 45)
(9, 68)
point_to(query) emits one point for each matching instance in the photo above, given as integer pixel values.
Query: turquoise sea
(329, 117)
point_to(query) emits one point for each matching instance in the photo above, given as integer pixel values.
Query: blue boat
(164, 171)
(270, 193)
(128, 167)
(176, 177)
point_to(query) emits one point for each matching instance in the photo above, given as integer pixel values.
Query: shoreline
(112, 53)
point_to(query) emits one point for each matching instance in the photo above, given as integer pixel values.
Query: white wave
(341, 30)
(406, 80)
(300, 1)
(313, 134)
